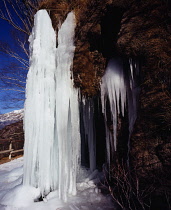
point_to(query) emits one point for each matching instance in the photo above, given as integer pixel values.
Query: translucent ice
(67, 131)
(89, 130)
(119, 88)
(52, 137)
(113, 88)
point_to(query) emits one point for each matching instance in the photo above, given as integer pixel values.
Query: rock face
(132, 28)
(142, 29)
(145, 32)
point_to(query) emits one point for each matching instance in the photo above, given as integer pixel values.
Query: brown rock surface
(145, 32)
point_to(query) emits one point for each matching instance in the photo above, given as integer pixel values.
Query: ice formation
(119, 89)
(67, 129)
(89, 131)
(133, 92)
(39, 116)
(51, 122)
(52, 155)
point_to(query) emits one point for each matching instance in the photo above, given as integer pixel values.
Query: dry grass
(126, 189)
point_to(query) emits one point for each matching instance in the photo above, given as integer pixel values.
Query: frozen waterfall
(54, 115)
(39, 116)
(51, 122)
(67, 129)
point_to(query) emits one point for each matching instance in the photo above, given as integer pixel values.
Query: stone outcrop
(139, 29)
(143, 31)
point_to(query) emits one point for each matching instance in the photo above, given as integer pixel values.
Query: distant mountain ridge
(11, 117)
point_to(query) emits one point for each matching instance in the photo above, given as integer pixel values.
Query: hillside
(11, 117)
(11, 131)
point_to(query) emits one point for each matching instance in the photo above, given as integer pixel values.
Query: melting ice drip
(88, 131)
(118, 89)
(51, 123)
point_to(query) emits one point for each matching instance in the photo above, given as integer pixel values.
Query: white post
(10, 148)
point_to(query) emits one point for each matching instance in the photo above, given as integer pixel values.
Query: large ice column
(52, 135)
(67, 111)
(39, 116)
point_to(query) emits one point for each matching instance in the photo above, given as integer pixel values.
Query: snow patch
(20, 196)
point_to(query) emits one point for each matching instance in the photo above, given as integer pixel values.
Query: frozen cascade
(40, 105)
(119, 90)
(67, 111)
(52, 136)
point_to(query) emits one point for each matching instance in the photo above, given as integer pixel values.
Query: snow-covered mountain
(11, 117)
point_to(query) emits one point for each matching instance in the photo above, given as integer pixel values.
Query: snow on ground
(15, 196)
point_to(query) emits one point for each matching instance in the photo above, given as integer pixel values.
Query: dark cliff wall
(145, 32)
(129, 28)
(132, 28)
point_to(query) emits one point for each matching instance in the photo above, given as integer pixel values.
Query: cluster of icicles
(120, 90)
(52, 109)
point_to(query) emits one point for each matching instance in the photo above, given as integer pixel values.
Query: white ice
(39, 116)
(113, 88)
(67, 129)
(52, 135)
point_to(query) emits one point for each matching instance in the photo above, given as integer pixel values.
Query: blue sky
(6, 96)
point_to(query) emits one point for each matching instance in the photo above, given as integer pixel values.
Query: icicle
(118, 88)
(113, 88)
(133, 93)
